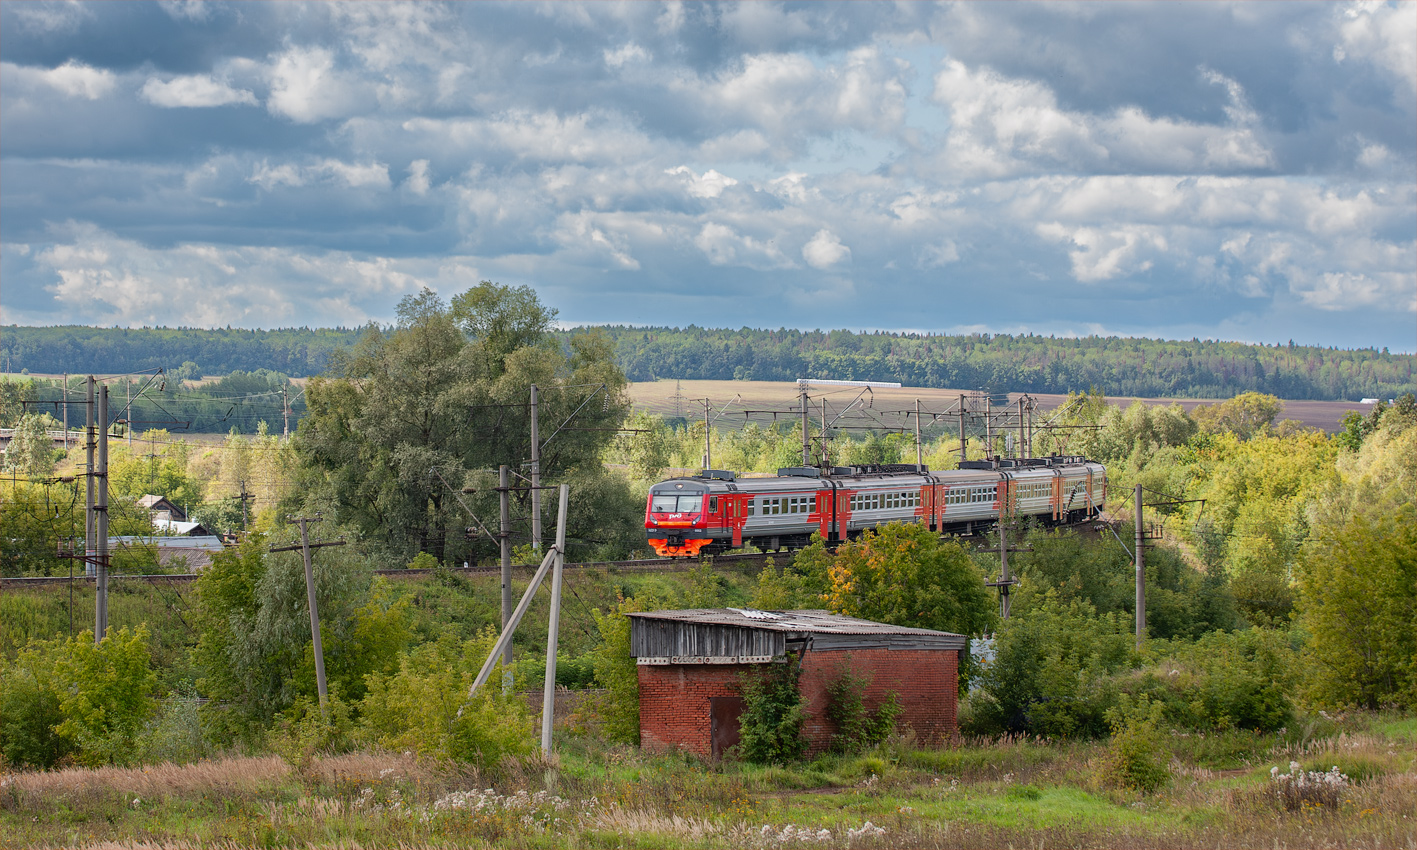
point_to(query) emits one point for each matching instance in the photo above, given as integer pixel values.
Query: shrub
(105, 693)
(1052, 672)
(425, 706)
(29, 708)
(856, 727)
(1234, 680)
(1136, 759)
(770, 727)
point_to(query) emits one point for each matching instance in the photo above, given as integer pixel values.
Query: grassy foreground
(1019, 793)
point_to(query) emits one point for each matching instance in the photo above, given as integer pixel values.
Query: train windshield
(677, 504)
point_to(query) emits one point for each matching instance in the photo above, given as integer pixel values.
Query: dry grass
(241, 775)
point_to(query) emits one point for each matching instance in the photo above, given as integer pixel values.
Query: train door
(927, 505)
(1057, 498)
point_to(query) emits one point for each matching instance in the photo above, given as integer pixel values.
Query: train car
(716, 510)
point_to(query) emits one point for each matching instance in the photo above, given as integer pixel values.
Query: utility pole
(245, 497)
(1141, 573)
(90, 445)
(548, 695)
(66, 423)
(101, 519)
(1006, 580)
(708, 448)
(961, 429)
(504, 539)
(806, 436)
(1021, 434)
(919, 456)
(535, 474)
(305, 547)
(128, 413)
(285, 408)
(988, 425)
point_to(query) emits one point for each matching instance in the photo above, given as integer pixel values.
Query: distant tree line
(298, 352)
(1001, 362)
(1018, 363)
(239, 402)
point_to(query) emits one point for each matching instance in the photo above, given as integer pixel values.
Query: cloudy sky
(1236, 171)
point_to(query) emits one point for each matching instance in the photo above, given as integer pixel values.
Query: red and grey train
(716, 510)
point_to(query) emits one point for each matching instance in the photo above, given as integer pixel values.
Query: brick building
(691, 664)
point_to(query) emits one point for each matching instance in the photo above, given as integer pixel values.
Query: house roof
(186, 529)
(210, 543)
(690, 632)
(803, 622)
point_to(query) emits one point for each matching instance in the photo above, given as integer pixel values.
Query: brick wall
(674, 699)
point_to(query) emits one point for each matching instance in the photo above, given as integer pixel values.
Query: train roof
(879, 474)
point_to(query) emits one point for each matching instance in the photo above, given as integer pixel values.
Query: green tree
(1358, 576)
(105, 693)
(442, 395)
(902, 574)
(1245, 415)
(31, 452)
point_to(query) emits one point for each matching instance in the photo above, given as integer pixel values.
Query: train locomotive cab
(676, 517)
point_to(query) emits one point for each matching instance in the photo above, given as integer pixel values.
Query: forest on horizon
(999, 362)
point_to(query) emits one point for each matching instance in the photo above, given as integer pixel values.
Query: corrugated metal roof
(801, 622)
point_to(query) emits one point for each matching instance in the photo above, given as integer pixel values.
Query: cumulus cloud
(417, 181)
(825, 250)
(306, 87)
(72, 79)
(102, 278)
(1221, 166)
(198, 90)
(708, 185)
(1384, 34)
(1001, 127)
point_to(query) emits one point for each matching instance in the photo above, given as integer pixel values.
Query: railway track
(642, 565)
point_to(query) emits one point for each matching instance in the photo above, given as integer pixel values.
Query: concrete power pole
(1141, 572)
(66, 415)
(535, 473)
(100, 509)
(128, 413)
(806, 435)
(90, 445)
(708, 448)
(919, 456)
(961, 429)
(285, 408)
(504, 539)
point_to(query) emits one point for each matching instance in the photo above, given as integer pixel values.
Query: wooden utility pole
(535, 473)
(548, 695)
(1141, 572)
(305, 547)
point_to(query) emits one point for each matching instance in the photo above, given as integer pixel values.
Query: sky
(1240, 171)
